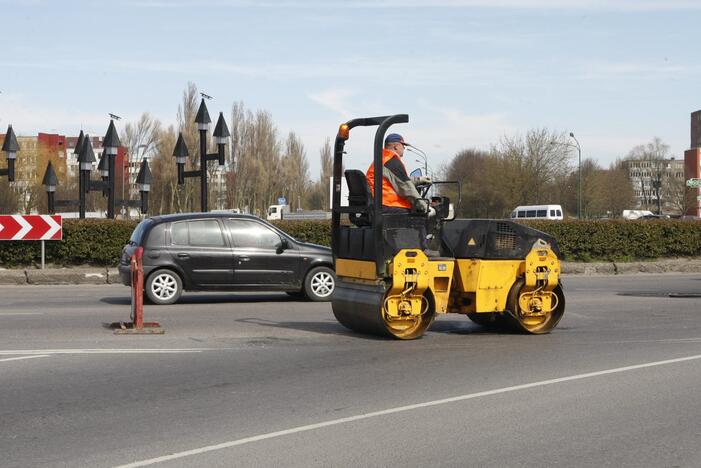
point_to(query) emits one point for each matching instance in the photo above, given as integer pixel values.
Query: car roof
(185, 216)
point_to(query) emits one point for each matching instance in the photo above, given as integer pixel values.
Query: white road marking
(24, 357)
(8, 314)
(681, 340)
(13, 352)
(400, 409)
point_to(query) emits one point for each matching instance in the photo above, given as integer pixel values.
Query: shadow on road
(330, 327)
(466, 327)
(211, 298)
(116, 300)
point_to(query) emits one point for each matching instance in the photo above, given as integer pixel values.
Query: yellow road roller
(396, 272)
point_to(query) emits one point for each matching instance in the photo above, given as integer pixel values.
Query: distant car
(225, 252)
(654, 216)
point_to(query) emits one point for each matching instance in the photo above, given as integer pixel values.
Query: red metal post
(137, 288)
(137, 324)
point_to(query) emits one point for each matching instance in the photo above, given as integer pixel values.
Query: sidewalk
(79, 275)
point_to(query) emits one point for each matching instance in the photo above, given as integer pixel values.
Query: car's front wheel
(163, 287)
(320, 283)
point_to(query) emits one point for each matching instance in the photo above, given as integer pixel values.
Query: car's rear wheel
(163, 287)
(319, 284)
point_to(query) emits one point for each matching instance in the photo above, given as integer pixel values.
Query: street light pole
(220, 134)
(579, 183)
(110, 146)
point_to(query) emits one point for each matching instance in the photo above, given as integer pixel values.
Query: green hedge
(316, 232)
(85, 241)
(99, 242)
(622, 240)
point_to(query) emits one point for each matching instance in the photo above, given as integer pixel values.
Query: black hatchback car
(225, 252)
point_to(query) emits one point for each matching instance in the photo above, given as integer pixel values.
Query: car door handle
(244, 259)
(183, 255)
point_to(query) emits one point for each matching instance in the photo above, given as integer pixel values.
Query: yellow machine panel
(490, 280)
(360, 269)
(412, 274)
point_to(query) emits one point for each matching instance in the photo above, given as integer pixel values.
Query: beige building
(646, 174)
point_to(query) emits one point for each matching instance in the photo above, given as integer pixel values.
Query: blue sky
(617, 73)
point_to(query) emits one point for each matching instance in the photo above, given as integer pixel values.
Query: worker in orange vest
(399, 194)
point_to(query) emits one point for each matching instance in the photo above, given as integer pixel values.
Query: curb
(670, 265)
(59, 276)
(64, 276)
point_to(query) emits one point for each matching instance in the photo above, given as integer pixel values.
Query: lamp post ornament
(110, 144)
(220, 134)
(10, 147)
(50, 181)
(86, 158)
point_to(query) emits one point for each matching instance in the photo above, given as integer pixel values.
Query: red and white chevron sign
(31, 227)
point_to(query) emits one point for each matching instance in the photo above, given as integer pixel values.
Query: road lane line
(9, 314)
(14, 352)
(400, 409)
(24, 357)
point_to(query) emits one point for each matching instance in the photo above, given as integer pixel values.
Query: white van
(277, 212)
(537, 212)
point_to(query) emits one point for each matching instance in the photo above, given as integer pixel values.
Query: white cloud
(335, 100)
(443, 131)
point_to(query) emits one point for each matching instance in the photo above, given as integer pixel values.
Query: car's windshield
(138, 233)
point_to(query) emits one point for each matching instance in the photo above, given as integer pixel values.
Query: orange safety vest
(389, 196)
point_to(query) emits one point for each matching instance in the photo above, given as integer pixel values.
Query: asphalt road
(263, 380)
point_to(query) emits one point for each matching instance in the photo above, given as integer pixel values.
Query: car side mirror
(282, 245)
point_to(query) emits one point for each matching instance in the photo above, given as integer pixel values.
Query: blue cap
(394, 138)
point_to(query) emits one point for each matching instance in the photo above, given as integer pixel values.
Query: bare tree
(471, 167)
(295, 170)
(317, 194)
(140, 140)
(256, 156)
(165, 194)
(142, 134)
(675, 192)
(530, 169)
(9, 200)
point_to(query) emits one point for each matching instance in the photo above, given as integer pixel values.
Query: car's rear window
(201, 232)
(139, 231)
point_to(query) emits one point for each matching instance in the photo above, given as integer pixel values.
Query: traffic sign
(281, 201)
(693, 183)
(31, 227)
